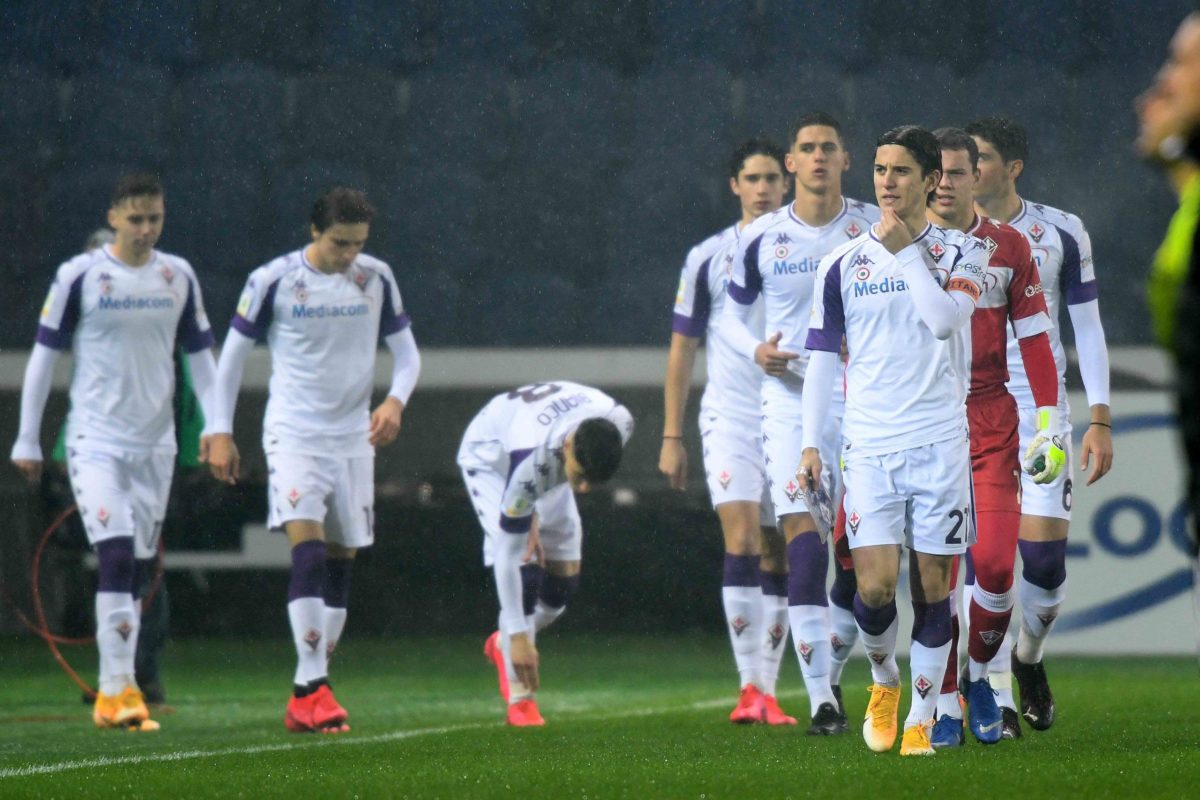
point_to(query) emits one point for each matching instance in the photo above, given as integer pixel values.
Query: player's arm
(745, 285)
(672, 458)
(406, 368)
(217, 448)
(39, 374)
(516, 522)
(826, 335)
(944, 311)
(1083, 304)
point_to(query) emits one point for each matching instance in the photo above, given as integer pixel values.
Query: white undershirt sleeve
(1092, 350)
(406, 364)
(942, 312)
(734, 326)
(39, 374)
(507, 567)
(814, 402)
(229, 379)
(204, 379)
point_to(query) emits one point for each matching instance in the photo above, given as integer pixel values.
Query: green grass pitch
(626, 717)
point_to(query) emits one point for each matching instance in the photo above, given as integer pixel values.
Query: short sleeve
(1078, 274)
(61, 310)
(828, 323)
(194, 333)
(520, 493)
(693, 301)
(255, 308)
(393, 318)
(745, 280)
(1026, 300)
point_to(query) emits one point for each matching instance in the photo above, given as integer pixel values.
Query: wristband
(1102, 424)
(671, 437)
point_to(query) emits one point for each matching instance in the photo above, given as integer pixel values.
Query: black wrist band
(1105, 424)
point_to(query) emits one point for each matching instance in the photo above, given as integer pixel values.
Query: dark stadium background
(540, 168)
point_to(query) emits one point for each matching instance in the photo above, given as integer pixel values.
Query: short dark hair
(758, 146)
(136, 184)
(1010, 139)
(958, 139)
(597, 445)
(341, 205)
(814, 118)
(918, 141)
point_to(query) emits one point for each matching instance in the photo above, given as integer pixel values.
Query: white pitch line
(325, 740)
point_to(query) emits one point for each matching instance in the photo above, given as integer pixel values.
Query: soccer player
(1062, 251)
(777, 257)
(899, 294)
(754, 591)
(1012, 296)
(322, 310)
(121, 308)
(522, 457)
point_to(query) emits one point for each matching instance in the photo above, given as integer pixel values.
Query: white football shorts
(733, 466)
(919, 498)
(337, 492)
(559, 527)
(781, 432)
(1047, 499)
(121, 493)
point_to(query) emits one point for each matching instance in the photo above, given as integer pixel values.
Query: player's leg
(150, 485)
(774, 613)
(929, 583)
(948, 729)
(350, 527)
(843, 628)
(742, 600)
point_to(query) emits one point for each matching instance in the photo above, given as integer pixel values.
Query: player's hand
(1097, 441)
(385, 422)
(672, 462)
(534, 552)
(30, 469)
(524, 658)
(894, 233)
(773, 360)
(809, 470)
(1045, 457)
(221, 454)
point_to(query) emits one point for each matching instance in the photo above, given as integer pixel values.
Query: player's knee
(116, 565)
(841, 594)
(994, 574)
(558, 589)
(876, 592)
(1044, 563)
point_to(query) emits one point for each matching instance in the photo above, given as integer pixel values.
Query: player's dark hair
(136, 184)
(814, 118)
(1009, 138)
(758, 146)
(597, 446)
(923, 146)
(958, 139)
(341, 206)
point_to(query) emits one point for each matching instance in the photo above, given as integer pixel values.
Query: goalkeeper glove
(1045, 458)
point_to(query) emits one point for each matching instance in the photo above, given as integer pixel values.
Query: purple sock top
(841, 594)
(558, 589)
(1044, 563)
(740, 570)
(532, 576)
(808, 566)
(873, 621)
(931, 622)
(773, 583)
(308, 571)
(116, 565)
(337, 581)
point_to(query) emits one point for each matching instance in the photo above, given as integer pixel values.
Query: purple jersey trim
(829, 336)
(389, 321)
(60, 338)
(516, 524)
(257, 328)
(188, 333)
(695, 325)
(1074, 289)
(746, 295)
(688, 326)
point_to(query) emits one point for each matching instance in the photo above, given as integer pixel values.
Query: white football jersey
(520, 434)
(323, 331)
(778, 256)
(904, 387)
(734, 381)
(1062, 251)
(123, 324)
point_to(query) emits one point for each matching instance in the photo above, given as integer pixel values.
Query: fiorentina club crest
(853, 521)
(775, 636)
(878, 658)
(1037, 232)
(853, 230)
(805, 650)
(124, 630)
(103, 516)
(792, 491)
(167, 273)
(739, 624)
(991, 637)
(106, 287)
(312, 639)
(1047, 619)
(922, 685)
(836, 642)
(937, 251)
(360, 279)
(724, 478)
(991, 245)
(300, 289)
(293, 497)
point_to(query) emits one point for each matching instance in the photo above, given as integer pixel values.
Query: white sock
(927, 666)
(335, 623)
(775, 633)
(810, 635)
(843, 635)
(743, 619)
(881, 652)
(517, 690)
(1039, 609)
(307, 616)
(999, 673)
(543, 615)
(117, 625)
(948, 706)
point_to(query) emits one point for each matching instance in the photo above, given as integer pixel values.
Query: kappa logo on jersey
(1033, 289)
(542, 468)
(739, 624)
(300, 291)
(792, 491)
(724, 478)
(805, 650)
(937, 251)
(861, 260)
(1037, 232)
(103, 516)
(853, 521)
(853, 230)
(528, 487)
(858, 205)
(775, 636)
(990, 637)
(293, 497)
(168, 274)
(922, 685)
(783, 238)
(991, 245)
(312, 639)
(106, 287)
(124, 630)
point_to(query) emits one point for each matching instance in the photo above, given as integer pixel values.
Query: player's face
(954, 197)
(571, 468)
(899, 184)
(336, 247)
(817, 159)
(137, 222)
(993, 172)
(1171, 106)
(759, 186)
